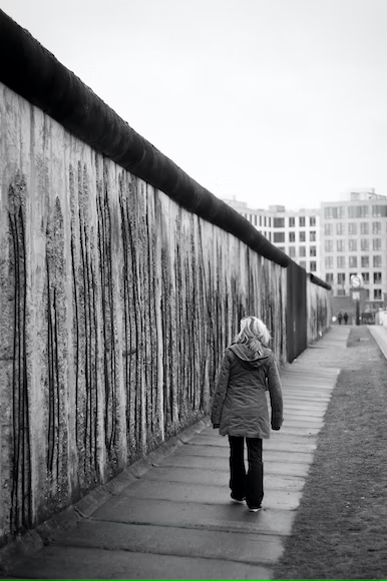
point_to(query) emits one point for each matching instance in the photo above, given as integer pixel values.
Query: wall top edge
(36, 75)
(316, 280)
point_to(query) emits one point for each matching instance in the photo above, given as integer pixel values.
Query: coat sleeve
(221, 389)
(275, 390)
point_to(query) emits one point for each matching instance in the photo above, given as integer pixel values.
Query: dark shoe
(236, 499)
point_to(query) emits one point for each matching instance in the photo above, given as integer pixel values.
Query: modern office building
(354, 241)
(296, 232)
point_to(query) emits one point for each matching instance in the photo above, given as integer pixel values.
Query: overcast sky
(270, 101)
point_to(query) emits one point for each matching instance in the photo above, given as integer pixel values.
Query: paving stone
(184, 542)
(57, 562)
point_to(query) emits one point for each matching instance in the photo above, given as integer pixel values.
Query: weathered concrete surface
(178, 521)
(116, 305)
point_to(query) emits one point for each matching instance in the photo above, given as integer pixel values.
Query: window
(340, 245)
(312, 221)
(282, 248)
(366, 277)
(333, 212)
(341, 262)
(313, 266)
(292, 236)
(292, 251)
(328, 245)
(260, 220)
(340, 229)
(328, 229)
(270, 236)
(358, 211)
(329, 277)
(353, 262)
(341, 278)
(328, 262)
(364, 228)
(269, 222)
(365, 261)
(312, 251)
(341, 292)
(312, 235)
(379, 211)
(302, 237)
(302, 263)
(264, 222)
(377, 244)
(292, 222)
(377, 294)
(352, 245)
(352, 228)
(377, 278)
(364, 244)
(278, 222)
(255, 220)
(302, 222)
(279, 237)
(376, 227)
(367, 294)
(377, 261)
(302, 251)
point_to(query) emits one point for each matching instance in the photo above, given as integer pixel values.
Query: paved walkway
(176, 520)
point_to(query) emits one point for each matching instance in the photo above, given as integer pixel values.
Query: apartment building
(354, 237)
(295, 232)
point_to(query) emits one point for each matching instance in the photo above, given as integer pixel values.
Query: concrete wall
(319, 310)
(115, 307)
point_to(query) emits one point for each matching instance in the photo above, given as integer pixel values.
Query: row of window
(339, 212)
(302, 251)
(341, 278)
(312, 265)
(268, 222)
(353, 228)
(280, 236)
(353, 262)
(377, 293)
(353, 245)
(280, 222)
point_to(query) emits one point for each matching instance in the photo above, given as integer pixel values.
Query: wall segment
(116, 305)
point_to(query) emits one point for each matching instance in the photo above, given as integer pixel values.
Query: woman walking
(240, 408)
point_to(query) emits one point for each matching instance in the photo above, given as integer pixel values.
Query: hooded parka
(240, 406)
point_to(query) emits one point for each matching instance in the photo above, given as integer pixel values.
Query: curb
(33, 541)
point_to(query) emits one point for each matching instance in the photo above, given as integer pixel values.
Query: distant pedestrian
(240, 408)
(340, 318)
(345, 318)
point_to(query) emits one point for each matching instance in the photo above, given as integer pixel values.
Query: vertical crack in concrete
(21, 497)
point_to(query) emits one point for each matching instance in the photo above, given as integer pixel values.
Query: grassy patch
(340, 530)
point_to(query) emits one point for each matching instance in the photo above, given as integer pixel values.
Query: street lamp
(357, 284)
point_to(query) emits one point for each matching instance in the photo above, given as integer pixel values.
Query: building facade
(354, 241)
(295, 232)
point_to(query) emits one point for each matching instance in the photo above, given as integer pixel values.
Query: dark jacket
(240, 404)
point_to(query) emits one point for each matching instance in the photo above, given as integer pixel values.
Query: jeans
(250, 485)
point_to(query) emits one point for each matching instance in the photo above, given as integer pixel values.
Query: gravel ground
(340, 529)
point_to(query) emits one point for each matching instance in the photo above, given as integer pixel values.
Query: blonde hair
(254, 334)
